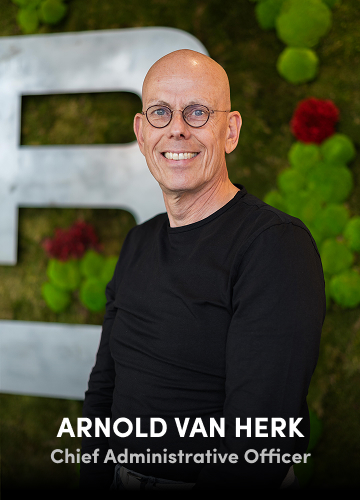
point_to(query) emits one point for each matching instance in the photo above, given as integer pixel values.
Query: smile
(179, 156)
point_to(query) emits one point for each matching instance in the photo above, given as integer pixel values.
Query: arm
(98, 402)
(272, 350)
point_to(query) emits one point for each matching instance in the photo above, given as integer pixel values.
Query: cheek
(151, 140)
(216, 142)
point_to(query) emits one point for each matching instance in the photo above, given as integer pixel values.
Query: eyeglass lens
(194, 115)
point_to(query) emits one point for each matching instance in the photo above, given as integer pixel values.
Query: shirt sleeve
(98, 402)
(271, 353)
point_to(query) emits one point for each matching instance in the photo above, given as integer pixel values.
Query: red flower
(314, 120)
(71, 243)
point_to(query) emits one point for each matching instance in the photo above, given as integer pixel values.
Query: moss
(345, 288)
(28, 20)
(276, 200)
(304, 205)
(301, 23)
(297, 65)
(331, 220)
(290, 181)
(303, 156)
(333, 183)
(338, 148)
(91, 264)
(58, 300)
(92, 294)
(335, 256)
(352, 234)
(327, 278)
(64, 275)
(304, 471)
(267, 12)
(32, 4)
(331, 3)
(52, 11)
(316, 430)
(28, 436)
(311, 207)
(108, 269)
(316, 235)
(295, 202)
(98, 118)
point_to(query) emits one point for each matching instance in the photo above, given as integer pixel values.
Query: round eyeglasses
(195, 115)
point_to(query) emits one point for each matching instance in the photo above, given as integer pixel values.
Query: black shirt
(219, 318)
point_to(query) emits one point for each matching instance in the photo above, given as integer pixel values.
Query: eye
(196, 113)
(159, 112)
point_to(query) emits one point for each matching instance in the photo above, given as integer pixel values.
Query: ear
(138, 129)
(233, 131)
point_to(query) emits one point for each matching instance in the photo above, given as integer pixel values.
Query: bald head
(183, 157)
(206, 74)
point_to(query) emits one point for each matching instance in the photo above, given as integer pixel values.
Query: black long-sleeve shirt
(219, 318)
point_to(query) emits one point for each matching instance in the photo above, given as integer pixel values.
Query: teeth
(179, 156)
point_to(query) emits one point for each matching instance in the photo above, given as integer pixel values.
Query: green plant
(92, 294)
(64, 275)
(32, 12)
(335, 256)
(297, 65)
(331, 3)
(327, 279)
(305, 470)
(108, 269)
(332, 182)
(275, 199)
(352, 234)
(330, 221)
(304, 156)
(314, 188)
(301, 23)
(338, 148)
(91, 264)
(311, 206)
(28, 20)
(56, 299)
(345, 288)
(76, 264)
(97, 271)
(295, 202)
(52, 11)
(267, 11)
(290, 181)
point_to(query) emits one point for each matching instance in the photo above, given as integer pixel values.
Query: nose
(178, 128)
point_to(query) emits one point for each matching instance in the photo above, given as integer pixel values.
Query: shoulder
(146, 230)
(256, 222)
(278, 253)
(137, 241)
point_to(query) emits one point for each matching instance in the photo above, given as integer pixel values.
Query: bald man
(214, 313)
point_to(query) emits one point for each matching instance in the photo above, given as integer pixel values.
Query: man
(214, 312)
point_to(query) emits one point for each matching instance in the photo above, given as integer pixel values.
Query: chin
(174, 185)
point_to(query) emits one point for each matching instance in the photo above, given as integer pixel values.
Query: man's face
(206, 145)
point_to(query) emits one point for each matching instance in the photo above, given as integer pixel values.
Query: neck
(188, 207)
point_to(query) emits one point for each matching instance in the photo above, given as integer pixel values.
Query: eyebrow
(164, 103)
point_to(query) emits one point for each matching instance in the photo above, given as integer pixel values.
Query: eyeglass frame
(211, 111)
